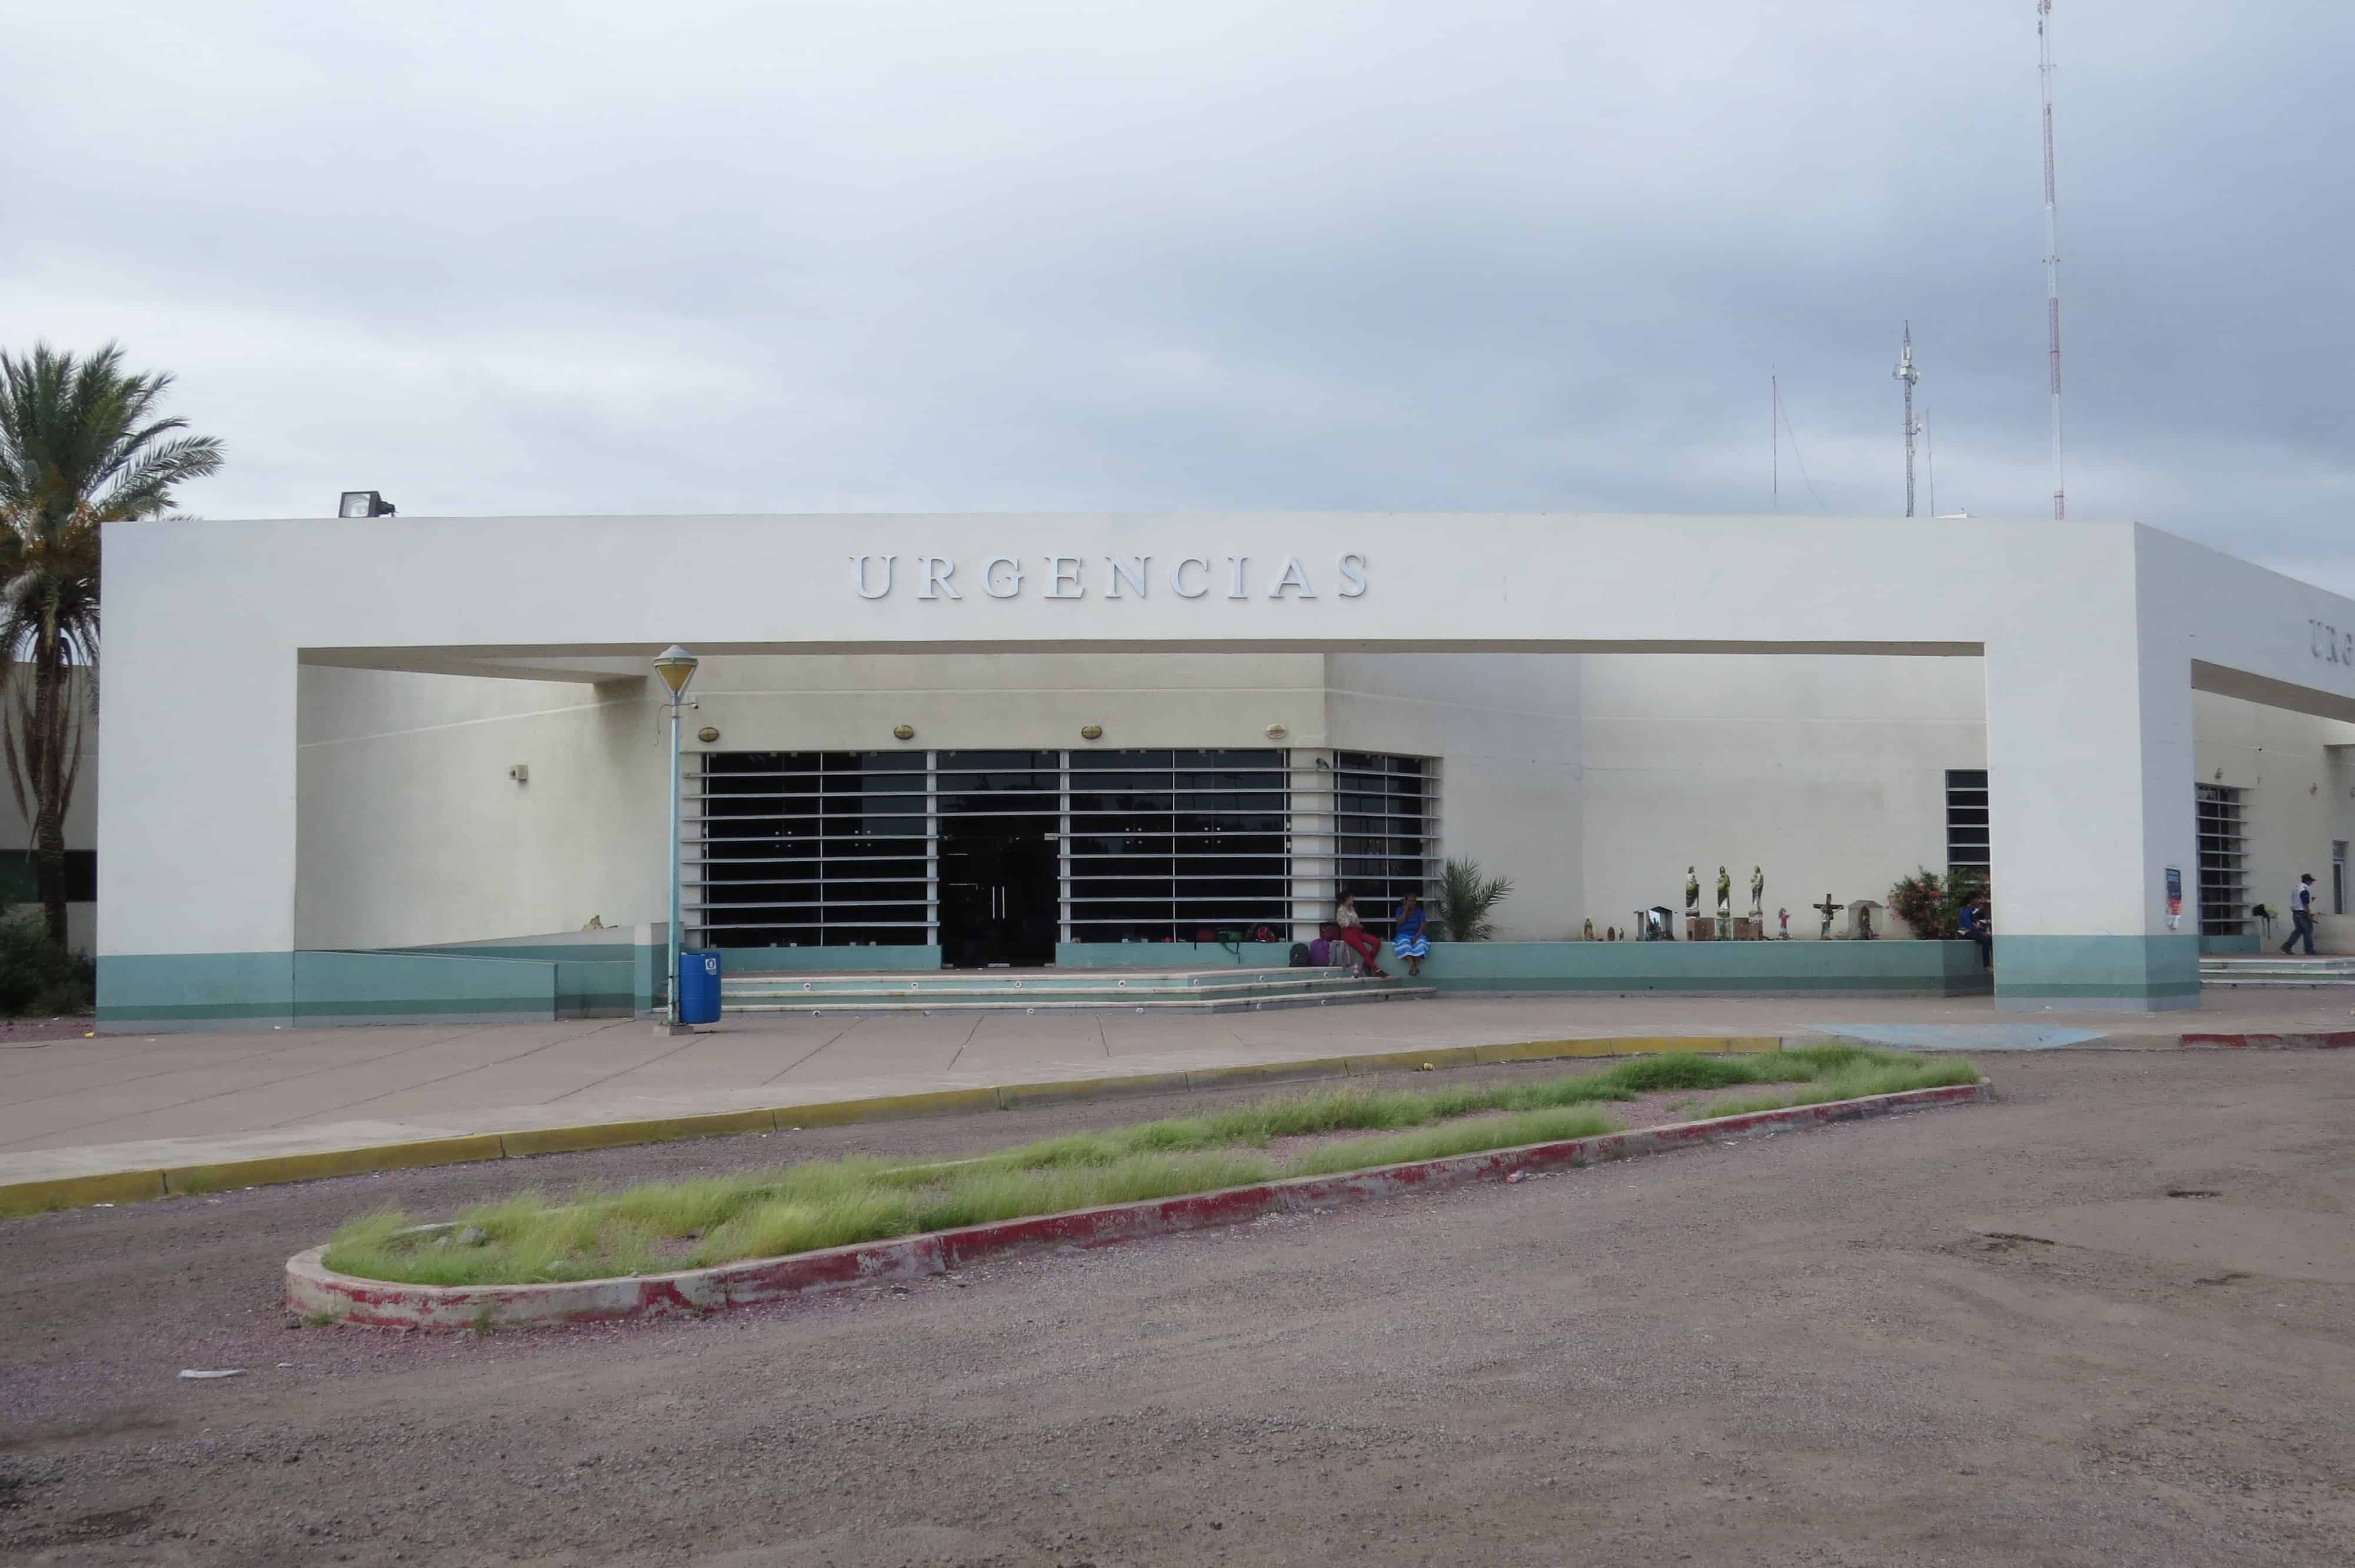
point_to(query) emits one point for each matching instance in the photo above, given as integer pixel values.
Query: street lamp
(675, 666)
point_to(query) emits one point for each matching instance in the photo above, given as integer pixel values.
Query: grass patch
(1853, 1083)
(528, 1238)
(1467, 1137)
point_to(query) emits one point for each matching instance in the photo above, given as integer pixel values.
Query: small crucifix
(1828, 908)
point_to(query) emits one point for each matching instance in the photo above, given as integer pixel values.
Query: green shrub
(1932, 905)
(38, 977)
(1466, 899)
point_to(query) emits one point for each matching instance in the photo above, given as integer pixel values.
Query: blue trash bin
(698, 988)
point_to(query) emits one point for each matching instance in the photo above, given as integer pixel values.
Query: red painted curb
(312, 1287)
(2340, 1039)
(2336, 1040)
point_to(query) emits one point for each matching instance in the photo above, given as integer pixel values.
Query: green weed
(1452, 1138)
(528, 1238)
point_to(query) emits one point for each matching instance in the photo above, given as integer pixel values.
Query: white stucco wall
(1506, 727)
(1829, 772)
(1025, 701)
(411, 831)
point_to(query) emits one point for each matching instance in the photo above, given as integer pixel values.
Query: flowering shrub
(1932, 906)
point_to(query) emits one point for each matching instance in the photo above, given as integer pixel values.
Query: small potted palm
(1467, 901)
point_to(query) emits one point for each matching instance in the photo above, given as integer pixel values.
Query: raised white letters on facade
(1119, 577)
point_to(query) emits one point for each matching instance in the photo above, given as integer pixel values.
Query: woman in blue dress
(1407, 936)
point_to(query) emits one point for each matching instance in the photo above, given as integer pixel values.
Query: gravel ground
(1981, 1335)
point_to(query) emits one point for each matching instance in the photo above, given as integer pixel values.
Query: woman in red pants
(1364, 943)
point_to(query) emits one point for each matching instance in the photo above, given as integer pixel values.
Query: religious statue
(1782, 919)
(1692, 891)
(1864, 922)
(1724, 895)
(1828, 909)
(1757, 893)
(1589, 931)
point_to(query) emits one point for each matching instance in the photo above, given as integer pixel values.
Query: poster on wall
(2174, 896)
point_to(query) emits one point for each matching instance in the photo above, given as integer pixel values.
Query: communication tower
(2051, 249)
(1907, 376)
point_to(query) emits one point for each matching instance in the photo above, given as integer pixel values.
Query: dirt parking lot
(2107, 1321)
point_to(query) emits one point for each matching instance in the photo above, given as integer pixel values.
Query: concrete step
(2278, 983)
(1233, 988)
(2281, 962)
(851, 1002)
(2272, 967)
(901, 988)
(1024, 982)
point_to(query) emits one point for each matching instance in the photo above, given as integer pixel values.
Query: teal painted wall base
(1888, 968)
(156, 992)
(1169, 955)
(2242, 944)
(2103, 974)
(593, 979)
(153, 992)
(149, 992)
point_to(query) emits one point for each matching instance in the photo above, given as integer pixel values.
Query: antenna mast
(1930, 463)
(1907, 376)
(2052, 248)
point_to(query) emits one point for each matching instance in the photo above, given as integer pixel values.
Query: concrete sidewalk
(79, 1108)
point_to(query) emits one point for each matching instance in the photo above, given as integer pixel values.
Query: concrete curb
(2337, 1039)
(18, 1199)
(312, 1289)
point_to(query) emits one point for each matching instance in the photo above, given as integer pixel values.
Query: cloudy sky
(522, 256)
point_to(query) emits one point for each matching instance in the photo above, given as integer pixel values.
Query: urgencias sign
(1118, 577)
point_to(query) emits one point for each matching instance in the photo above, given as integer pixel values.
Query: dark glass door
(1000, 858)
(998, 894)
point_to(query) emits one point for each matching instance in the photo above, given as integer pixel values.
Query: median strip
(317, 1292)
(136, 1183)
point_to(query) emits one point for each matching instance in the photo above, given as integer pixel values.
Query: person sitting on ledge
(1354, 936)
(1408, 942)
(1976, 927)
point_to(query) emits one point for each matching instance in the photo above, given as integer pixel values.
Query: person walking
(1976, 927)
(1408, 942)
(2301, 914)
(1354, 936)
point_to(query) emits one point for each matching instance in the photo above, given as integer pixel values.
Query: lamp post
(675, 666)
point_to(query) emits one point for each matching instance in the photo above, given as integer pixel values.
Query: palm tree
(79, 445)
(1466, 899)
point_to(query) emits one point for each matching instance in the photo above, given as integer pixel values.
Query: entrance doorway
(1000, 858)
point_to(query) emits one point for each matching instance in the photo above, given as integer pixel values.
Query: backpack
(1320, 954)
(1299, 955)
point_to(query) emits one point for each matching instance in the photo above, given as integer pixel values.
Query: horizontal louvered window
(808, 849)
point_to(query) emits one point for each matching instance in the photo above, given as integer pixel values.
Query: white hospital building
(362, 769)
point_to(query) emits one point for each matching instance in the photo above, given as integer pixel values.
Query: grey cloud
(891, 254)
